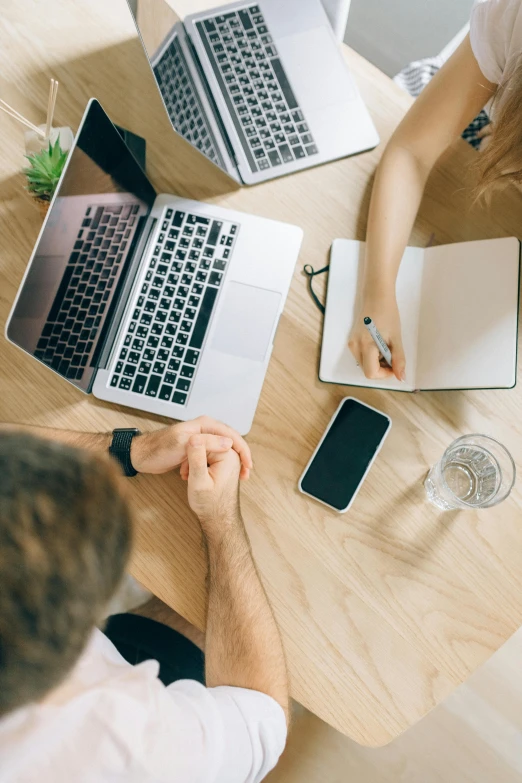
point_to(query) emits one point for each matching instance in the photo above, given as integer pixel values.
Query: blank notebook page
(469, 315)
(337, 363)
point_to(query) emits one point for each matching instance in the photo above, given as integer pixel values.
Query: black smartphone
(345, 454)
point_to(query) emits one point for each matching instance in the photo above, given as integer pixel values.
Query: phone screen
(343, 457)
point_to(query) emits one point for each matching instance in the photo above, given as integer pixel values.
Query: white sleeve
(495, 29)
(244, 731)
(183, 733)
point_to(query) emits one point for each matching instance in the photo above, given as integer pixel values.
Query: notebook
(459, 315)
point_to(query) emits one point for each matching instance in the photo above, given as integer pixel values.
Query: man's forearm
(243, 647)
(82, 440)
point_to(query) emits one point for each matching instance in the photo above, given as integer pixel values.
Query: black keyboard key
(163, 354)
(114, 380)
(179, 398)
(286, 153)
(214, 232)
(158, 368)
(139, 384)
(192, 357)
(130, 370)
(215, 278)
(311, 150)
(178, 218)
(145, 367)
(200, 327)
(125, 384)
(299, 152)
(187, 371)
(174, 365)
(166, 392)
(153, 341)
(246, 21)
(96, 219)
(275, 160)
(183, 384)
(178, 351)
(170, 378)
(153, 385)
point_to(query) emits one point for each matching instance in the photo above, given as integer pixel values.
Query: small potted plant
(43, 173)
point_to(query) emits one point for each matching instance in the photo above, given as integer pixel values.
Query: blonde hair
(501, 161)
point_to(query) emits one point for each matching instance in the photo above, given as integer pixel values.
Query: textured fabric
(496, 37)
(110, 722)
(139, 639)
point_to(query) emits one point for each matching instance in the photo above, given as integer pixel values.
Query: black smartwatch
(120, 448)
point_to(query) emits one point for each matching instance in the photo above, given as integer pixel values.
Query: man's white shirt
(110, 721)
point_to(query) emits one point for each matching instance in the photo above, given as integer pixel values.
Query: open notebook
(459, 315)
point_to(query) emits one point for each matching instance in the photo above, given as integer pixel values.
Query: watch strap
(120, 449)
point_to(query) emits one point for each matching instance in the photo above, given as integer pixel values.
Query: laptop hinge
(213, 104)
(124, 297)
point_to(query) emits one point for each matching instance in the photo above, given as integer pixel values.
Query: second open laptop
(160, 303)
(260, 88)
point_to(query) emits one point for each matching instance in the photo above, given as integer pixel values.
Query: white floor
(391, 33)
(475, 736)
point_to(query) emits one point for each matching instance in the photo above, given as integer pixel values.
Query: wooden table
(383, 610)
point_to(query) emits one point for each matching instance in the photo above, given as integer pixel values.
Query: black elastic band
(311, 273)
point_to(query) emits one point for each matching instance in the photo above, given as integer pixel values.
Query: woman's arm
(446, 106)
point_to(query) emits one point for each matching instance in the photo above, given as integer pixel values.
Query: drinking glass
(475, 471)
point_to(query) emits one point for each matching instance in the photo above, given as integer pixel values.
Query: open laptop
(152, 301)
(260, 88)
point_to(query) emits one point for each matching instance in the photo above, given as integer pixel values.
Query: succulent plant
(45, 170)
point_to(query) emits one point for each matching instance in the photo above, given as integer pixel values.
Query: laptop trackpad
(318, 73)
(246, 322)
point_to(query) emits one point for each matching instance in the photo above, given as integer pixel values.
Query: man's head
(65, 538)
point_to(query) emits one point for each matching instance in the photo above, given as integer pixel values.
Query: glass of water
(475, 471)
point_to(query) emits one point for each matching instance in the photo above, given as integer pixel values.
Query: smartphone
(345, 454)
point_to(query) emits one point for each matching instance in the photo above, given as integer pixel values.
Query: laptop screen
(180, 81)
(83, 253)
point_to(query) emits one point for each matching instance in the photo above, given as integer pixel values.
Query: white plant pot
(35, 143)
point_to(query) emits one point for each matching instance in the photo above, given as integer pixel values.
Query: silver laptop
(152, 301)
(260, 88)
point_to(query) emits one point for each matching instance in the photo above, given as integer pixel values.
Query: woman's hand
(385, 313)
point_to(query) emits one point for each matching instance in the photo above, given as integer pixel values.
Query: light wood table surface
(383, 610)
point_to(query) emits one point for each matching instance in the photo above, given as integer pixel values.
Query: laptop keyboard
(158, 353)
(69, 335)
(267, 117)
(183, 103)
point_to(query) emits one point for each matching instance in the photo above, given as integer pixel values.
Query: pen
(378, 340)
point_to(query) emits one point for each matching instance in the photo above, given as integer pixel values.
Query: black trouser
(140, 639)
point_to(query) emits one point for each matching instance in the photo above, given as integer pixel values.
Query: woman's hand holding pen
(384, 311)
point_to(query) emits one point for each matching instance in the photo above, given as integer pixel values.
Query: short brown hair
(65, 538)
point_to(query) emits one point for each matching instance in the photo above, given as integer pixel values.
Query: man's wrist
(217, 529)
(138, 451)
